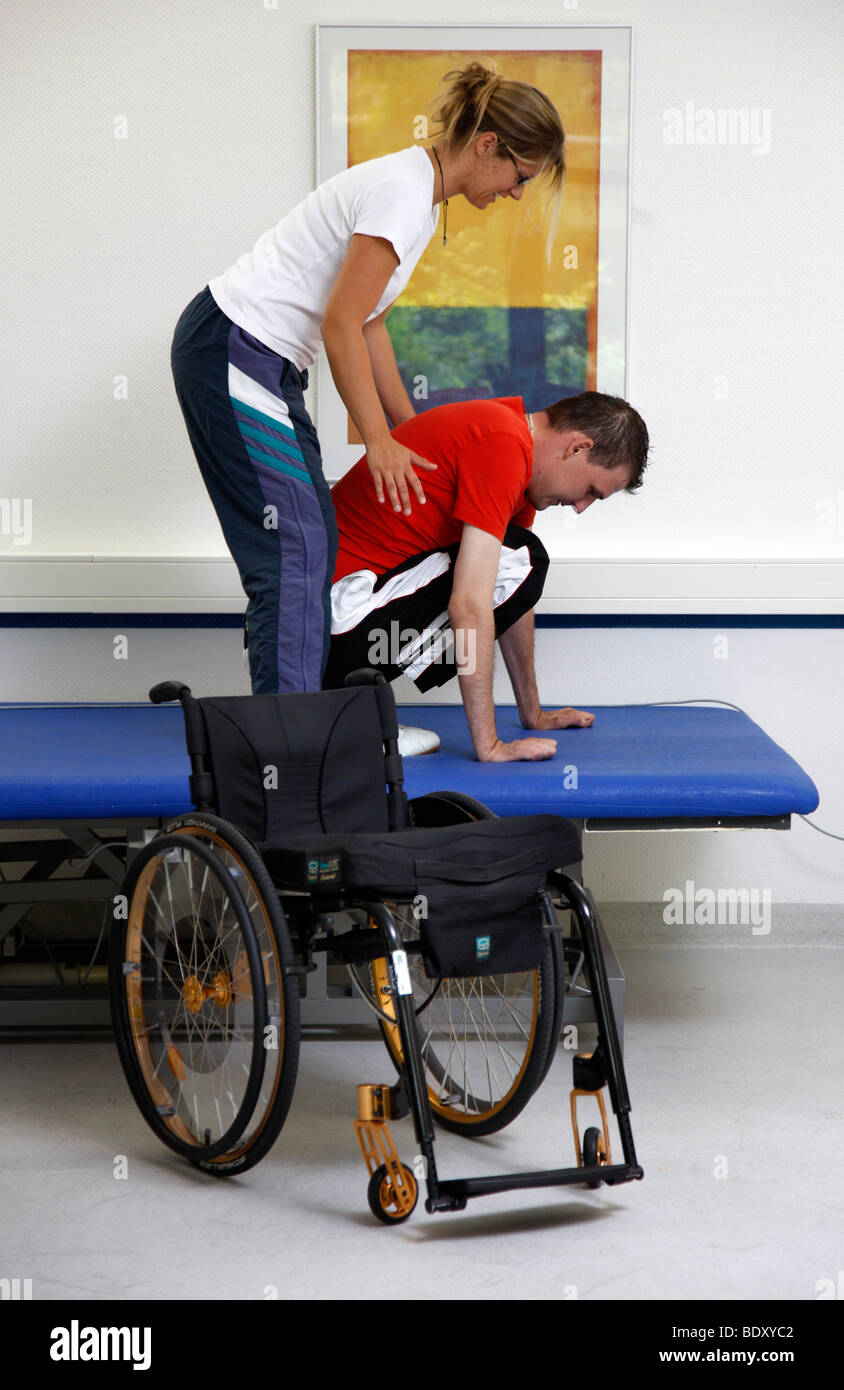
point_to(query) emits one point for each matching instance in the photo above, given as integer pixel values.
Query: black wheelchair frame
(221, 979)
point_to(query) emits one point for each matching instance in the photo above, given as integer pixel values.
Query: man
(428, 595)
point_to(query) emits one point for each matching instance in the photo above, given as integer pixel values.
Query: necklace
(529, 420)
(444, 198)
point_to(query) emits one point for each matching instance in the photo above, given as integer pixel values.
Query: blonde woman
(326, 274)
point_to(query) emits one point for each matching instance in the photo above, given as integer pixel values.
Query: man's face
(564, 477)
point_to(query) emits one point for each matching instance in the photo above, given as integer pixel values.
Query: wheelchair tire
(594, 1153)
(486, 1042)
(242, 929)
(382, 1199)
(283, 1000)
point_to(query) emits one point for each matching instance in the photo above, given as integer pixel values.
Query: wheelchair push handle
(364, 675)
(200, 780)
(168, 690)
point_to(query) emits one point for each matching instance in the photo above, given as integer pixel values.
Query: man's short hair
(619, 434)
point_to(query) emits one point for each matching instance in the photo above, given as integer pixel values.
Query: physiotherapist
(326, 274)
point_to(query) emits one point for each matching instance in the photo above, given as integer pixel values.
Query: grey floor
(734, 1066)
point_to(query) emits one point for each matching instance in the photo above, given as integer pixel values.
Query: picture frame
(486, 315)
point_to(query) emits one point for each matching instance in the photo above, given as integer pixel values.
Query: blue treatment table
(82, 775)
(639, 765)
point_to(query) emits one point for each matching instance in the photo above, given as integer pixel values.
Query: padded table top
(635, 762)
(106, 761)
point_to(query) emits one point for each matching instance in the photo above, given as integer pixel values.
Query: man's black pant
(398, 622)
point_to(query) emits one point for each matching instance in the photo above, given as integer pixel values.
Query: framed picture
(486, 315)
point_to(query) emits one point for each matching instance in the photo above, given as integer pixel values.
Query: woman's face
(495, 173)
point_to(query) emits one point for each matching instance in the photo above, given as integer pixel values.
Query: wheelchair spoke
(196, 1025)
(197, 976)
(477, 1038)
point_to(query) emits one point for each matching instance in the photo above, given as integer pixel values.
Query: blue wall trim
(543, 620)
(719, 620)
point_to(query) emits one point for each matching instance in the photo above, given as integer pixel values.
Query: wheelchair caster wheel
(594, 1153)
(389, 1205)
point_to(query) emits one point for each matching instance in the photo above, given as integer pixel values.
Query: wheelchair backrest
(300, 764)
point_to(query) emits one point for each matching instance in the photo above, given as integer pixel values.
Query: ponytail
(475, 99)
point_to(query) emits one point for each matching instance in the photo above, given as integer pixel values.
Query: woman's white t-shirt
(278, 291)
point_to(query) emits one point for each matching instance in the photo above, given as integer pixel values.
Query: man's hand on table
(534, 750)
(521, 750)
(559, 719)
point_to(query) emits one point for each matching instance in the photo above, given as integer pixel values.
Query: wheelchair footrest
(557, 1177)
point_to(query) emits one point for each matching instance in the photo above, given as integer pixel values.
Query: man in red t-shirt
(427, 592)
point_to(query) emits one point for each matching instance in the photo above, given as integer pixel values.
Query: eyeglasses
(523, 178)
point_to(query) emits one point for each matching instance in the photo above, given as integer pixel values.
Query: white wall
(735, 285)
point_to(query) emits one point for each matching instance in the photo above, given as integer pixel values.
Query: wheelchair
(302, 841)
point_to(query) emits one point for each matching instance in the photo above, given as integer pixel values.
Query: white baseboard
(211, 584)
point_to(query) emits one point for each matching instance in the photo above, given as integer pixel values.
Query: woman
(326, 275)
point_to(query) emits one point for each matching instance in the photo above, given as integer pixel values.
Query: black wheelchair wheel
(283, 1031)
(207, 1022)
(487, 1041)
(594, 1153)
(384, 1202)
(188, 998)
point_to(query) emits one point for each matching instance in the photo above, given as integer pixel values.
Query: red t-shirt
(484, 450)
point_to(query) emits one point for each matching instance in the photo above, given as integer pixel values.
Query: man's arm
(517, 649)
(470, 613)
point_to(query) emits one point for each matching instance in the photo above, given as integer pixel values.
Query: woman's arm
(385, 371)
(369, 264)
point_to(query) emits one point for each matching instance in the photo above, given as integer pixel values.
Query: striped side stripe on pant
(260, 460)
(398, 623)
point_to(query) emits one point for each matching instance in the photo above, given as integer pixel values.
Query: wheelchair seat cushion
(475, 887)
(515, 849)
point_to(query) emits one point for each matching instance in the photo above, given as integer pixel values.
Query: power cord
(107, 844)
(30, 927)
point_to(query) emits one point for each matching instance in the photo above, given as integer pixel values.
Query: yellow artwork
(486, 315)
(492, 257)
